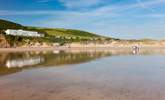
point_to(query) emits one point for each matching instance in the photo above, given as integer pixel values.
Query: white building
(23, 33)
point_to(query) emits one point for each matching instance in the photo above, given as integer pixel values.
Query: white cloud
(146, 4)
(106, 19)
(44, 1)
(33, 12)
(81, 3)
(97, 11)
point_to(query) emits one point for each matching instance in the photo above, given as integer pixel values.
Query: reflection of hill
(24, 62)
(6, 71)
(6, 58)
(14, 62)
(71, 58)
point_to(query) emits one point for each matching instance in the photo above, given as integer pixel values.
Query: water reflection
(13, 62)
(135, 50)
(24, 62)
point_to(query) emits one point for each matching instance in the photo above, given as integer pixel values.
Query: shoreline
(22, 49)
(62, 48)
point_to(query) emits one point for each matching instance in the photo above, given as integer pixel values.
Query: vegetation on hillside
(66, 33)
(9, 25)
(52, 35)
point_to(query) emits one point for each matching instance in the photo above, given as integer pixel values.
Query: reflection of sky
(24, 62)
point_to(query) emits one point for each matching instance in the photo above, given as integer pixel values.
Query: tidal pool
(83, 75)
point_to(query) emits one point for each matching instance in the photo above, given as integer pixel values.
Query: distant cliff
(3, 42)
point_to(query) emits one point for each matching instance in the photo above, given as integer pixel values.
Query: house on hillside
(23, 33)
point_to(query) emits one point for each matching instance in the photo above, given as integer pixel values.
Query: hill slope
(48, 31)
(9, 25)
(52, 35)
(67, 33)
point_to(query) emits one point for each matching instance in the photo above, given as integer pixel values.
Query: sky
(125, 19)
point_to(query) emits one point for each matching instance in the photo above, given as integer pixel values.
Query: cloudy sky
(128, 19)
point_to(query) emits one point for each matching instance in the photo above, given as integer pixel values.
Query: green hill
(9, 25)
(52, 35)
(65, 33)
(50, 32)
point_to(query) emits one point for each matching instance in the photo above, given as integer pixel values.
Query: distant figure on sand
(135, 49)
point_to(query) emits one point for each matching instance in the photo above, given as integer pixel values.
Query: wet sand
(19, 49)
(22, 49)
(134, 78)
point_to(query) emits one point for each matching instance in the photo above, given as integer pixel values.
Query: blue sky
(127, 19)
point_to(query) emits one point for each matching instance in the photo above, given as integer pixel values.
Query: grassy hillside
(50, 32)
(67, 33)
(52, 35)
(9, 25)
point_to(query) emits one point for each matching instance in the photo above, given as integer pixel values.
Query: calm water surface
(83, 75)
